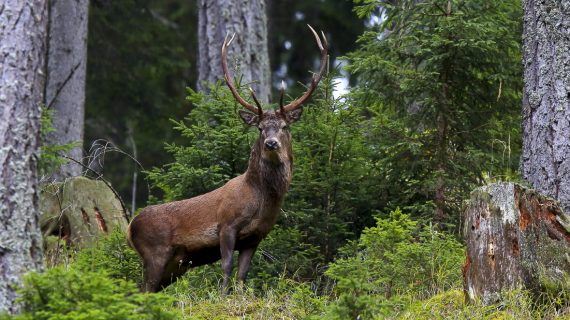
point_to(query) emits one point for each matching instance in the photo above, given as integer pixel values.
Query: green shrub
(283, 254)
(216, 148)
(392, 263)
(112, 255)
(69, 293)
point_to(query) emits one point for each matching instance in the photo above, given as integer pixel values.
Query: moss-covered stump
(515, 238)
(79, 211)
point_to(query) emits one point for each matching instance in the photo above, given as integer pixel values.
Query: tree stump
(79, 211)
(516, 238)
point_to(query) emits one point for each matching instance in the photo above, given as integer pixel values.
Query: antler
(295, 104)
(230, 83)
(323, 46)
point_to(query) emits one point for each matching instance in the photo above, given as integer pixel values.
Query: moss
(441, 306)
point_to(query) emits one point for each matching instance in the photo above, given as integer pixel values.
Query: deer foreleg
(244, 262)
(227, 245)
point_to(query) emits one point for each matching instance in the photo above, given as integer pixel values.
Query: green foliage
(216, 147)
(391, 262)
(62, 293)
(284, 253)
(112, 255)
(441, 81)
(333, 190)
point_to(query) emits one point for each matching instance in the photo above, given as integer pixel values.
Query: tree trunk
(65, 84)
(218, 18)
(22, 51)
(515, 238)
(545, 160)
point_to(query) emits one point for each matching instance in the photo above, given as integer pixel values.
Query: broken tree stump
(79, 211)
(516, 238)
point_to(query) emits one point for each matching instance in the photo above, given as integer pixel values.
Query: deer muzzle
(271, 144)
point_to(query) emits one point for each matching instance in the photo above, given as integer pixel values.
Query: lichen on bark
(546, 98)
(22, 52)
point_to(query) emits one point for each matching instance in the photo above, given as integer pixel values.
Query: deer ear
(294, 115)
(249, 118)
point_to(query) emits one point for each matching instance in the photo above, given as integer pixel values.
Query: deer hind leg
(154, 268)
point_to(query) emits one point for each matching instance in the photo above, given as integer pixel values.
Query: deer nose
(271, 144)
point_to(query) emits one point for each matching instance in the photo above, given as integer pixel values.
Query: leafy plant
(391, 262)
(70, 293)
(113, 256)
(216, 148)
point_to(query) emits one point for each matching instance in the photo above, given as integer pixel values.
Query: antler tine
(229, 81)
(281, 98)
(259, 109)
(323, 47)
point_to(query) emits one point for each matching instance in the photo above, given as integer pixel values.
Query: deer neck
(271, 177)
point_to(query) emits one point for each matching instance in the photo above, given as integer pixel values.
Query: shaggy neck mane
(271, 177)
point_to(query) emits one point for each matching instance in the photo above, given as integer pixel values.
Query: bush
(68, 293)
(392, 263)
(283, 254)
(112, 255)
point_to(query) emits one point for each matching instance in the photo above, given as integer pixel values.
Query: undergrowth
(398, 269)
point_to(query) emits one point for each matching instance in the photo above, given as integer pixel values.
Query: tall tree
(545, 161)
(247, 19)
(65, 83)
(23, 27)
(441, 79)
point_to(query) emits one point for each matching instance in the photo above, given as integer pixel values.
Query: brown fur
(176, 236)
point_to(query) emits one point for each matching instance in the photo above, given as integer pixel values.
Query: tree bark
(546, 99)
(515, 238)
(23, 27)
(218, 18)
(65, 84)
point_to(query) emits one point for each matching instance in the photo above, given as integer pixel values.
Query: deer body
(176, 236)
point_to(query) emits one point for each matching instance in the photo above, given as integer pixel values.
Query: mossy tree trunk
(23, 27)
(545, 161)
(218, 18)
(516, 238)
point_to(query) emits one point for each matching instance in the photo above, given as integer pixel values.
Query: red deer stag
(176, 236)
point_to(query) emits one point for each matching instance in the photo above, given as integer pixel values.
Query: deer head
(274, 125)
